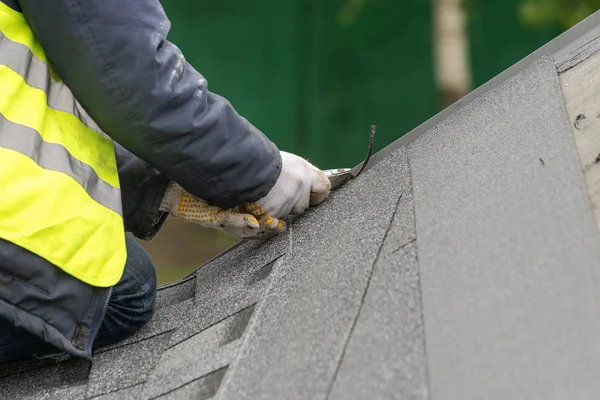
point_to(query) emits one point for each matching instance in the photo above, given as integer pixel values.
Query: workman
(106, 129)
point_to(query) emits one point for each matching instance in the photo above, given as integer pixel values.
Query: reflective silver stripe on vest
(29, 142)
(37, 74)
(55, 157)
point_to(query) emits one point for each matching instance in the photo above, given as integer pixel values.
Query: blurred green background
(313, 75)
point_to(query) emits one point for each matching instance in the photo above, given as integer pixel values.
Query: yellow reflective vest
(59, 184)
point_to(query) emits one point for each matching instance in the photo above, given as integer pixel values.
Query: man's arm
(140, 90)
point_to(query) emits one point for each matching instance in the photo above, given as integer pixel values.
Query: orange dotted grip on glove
(190, 208)
(263, 216)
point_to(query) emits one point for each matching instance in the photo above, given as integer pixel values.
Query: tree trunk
(453, 73)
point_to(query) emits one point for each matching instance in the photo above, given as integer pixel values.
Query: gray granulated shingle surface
(47, 383)
(198, 355)
(386, 352)
(238, 270)
(25, 366)
(128, 393)
(164, 320)
(185, 363)
(507, 247)
(204, 316)
(230, 283)
(203, 388)
(70, 392)
(125, 366)
(296, 341)
(176, 293)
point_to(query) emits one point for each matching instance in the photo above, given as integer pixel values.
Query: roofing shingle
(460, 264)
(507, 247)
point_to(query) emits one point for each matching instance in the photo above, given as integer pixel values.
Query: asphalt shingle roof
(461, 264)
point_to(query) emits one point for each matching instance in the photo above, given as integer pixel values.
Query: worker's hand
(299, 186)
(181, 204)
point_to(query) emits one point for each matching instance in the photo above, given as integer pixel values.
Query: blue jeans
(130, 307)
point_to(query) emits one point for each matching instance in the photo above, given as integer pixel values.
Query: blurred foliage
(533, 13)
(351, 10)
(563, 13)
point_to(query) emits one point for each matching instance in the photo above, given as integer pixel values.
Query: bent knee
(136, 291)
(144, 274)
(133, 300)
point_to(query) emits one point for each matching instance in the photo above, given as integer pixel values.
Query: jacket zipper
(99, 323)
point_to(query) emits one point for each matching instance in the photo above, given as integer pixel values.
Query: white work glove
(299, 186)
(181, 204)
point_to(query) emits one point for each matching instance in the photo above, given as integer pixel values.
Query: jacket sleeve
(140, 90)
(142, 191)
